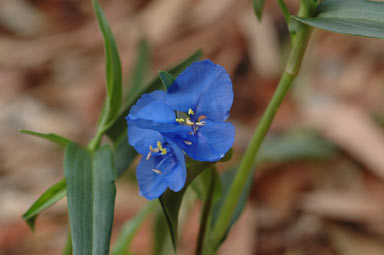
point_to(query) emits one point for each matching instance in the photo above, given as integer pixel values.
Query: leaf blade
(112, 68)
(52, 195)
(59, 140)
(91, 194)
(77, 172)
(258, 6)
(353, 17)
(104, 193)
(166, 78)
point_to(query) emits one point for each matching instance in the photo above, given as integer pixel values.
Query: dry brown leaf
(345, 205)
(348, 242)
(353, 130)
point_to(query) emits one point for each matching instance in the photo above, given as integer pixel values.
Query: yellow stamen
(189, 122)
(188, 142)
(148, 155)
(156, 171)
(191, 112)
(159, 148)
(200, 123)
(180, 121)
(163, 151)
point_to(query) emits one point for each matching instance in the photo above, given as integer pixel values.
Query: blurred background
(319, 185)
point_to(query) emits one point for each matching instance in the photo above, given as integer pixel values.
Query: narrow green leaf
(140, 68)
(91, 194)
(166, 78)
(59, 140)
(354, 17)
(78, 175)
(171, 201)
(118, 128)
(258, 6)
(53, 194)
(104, 193)
(113, 70)
(130, 228)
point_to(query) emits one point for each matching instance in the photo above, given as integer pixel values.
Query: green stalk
(245, 169)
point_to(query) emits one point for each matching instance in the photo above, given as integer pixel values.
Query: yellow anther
(163, 151)
(180, 121)
(159, 146)
(200, 123)
(191, 112)
(189, 122)
(156, 171)
(148, 155)
(188, 142)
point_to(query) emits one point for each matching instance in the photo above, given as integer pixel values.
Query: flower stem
(246, 166)
(206, 212)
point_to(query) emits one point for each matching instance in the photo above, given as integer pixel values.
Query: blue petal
(145, 99)
(210, 142)
(151, 184)
(173, 173)
(141, 139)
(156, 111)
(204, 87)
(176, 179)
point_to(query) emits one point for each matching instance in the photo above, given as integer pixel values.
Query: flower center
(185, 119)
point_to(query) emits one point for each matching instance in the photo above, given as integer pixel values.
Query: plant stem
(206, 213)
(245, 169)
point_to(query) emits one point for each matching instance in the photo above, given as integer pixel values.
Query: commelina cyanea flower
(189, 117)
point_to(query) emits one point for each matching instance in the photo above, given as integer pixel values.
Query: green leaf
(130, 228)
(353, 17)
(140, 68)
(53, 194)
(113, 70)
(171, 201)
(166, 78)
(258, 6)
(124, 155)
(91, 194)
(59, 140)
(118, 128)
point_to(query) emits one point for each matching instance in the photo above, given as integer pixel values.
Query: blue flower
(189, 117)
(203, 92)
(162, 165)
